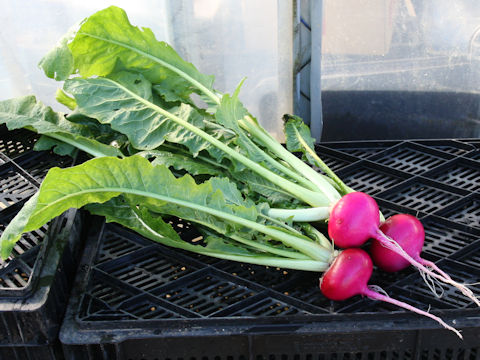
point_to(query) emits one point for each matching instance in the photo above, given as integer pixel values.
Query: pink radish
(409, 233)
(355, 218)
(349, 275)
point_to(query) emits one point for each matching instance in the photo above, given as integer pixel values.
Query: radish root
(377, 296)
(425, 267)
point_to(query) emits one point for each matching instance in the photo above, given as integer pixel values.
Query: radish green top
(133, 110)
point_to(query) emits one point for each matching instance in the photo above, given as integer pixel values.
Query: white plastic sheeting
(230, 39)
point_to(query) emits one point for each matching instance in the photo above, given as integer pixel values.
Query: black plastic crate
(412, 158)
(135, 299)
(31, 311)
(15, 142)
(361, 149)
(454, 147)
(371, 177)
(460, 172)
(36, 278)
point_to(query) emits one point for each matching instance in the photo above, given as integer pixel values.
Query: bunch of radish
(396, 244)
(156, 151)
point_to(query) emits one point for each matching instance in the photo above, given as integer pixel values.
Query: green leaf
(145, 124)
(194, 166)
(106, 42)
(101, 179)
(64, 99)
(124, 102)
(58, 147)
(153, 187)
(138, 219)
(26, 112)
(294, 129)
(229, 112)
(261, 186)
(58, 63)
(223, 245)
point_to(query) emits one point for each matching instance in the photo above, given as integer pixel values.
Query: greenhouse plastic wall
(230, 39)
(391, 69)
(32, 28)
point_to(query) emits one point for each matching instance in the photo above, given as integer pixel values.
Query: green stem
(301, 215)
(268, 141)
(270, 249)
(312, 232)
(79, 146)
(321, 164)
(308, 196)
(285, 263)
(290, 173)
(280, 223)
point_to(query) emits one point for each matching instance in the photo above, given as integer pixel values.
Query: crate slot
(108, 294)
(304, 289)
(444, 238)
(145, 307)
(13, 187)
(205, 293)
(471, 257)
(97, 310)
(38, 163)
(270, 307)
(18, 273)
(27, 241)
(411, 158)
(103, 297)
(148, 269)
(16, 142)
(474, 155)
(118, 242)
(459, 173)
(371, 178)
(465, 212)
(335, 160)
(421, 196)
(267, 276)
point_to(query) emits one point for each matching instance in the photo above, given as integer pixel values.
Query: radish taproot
(409, 233)
(349, 275)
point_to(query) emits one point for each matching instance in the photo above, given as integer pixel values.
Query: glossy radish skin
(353, 220)
(347, 276)
(408, 232)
